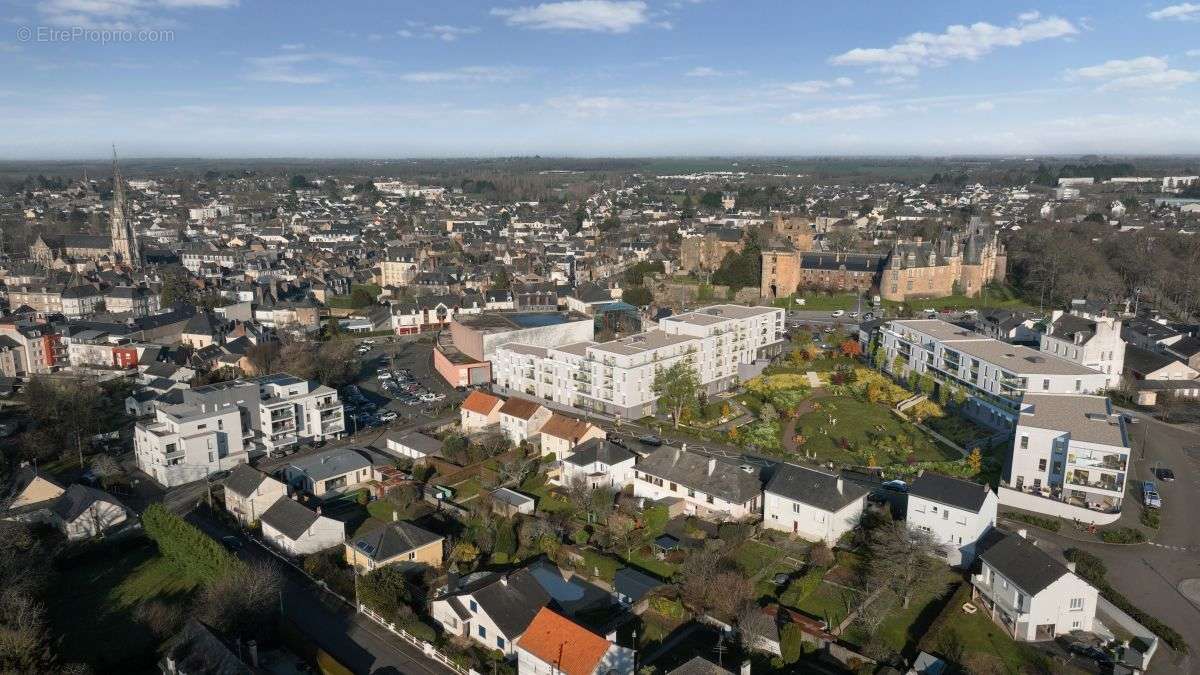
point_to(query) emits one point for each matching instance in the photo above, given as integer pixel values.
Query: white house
(955, 512)
(555, 645)
(83, 512)
(1091, 340)
(708, 486)
(812, 504)
(296, 529)
(250, 492)
(413, 445)
(521, 418)
(600, 463)
(490, 608)
(1030, 593)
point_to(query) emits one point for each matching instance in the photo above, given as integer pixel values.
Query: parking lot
(397, 383)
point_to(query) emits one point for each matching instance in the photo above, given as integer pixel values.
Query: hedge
(1093, 570)
(1043, 522)
(186, 546)
(1122, 535)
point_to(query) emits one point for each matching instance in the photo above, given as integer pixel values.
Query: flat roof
(1087, 418)
(499, 322)
(642, 342)
(1014, 358)
(707, 316)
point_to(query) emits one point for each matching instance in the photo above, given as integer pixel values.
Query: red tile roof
(520, 408)
(557, 640)
(481, 403)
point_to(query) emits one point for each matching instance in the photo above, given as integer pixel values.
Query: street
(354, 640)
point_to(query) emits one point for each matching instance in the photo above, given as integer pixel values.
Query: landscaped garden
(846, 430)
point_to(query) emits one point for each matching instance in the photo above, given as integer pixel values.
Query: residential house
(632, 588)
(561, 434)
(555, 645)
(521, 419)
(510, 503)
(196, 650)
(413, 445)
(707, 485)
(1186, 350)
(1148, 333)
(296, 529)
(955, 512)
(331, 472)
(250, 492)
(490, 608)
(1091, 340)
(479, 411)
(397, 543)
(812, 504)
(600, 463)
(1151, 372)
(1032, 594)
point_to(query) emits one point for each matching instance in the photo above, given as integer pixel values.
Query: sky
(467, 78)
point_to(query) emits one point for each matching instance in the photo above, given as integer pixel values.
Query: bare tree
(903, 561)
(242, 603)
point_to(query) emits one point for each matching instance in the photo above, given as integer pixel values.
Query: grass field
(92, 602)
(753, 556)
(863, 424)
(822, 302)
(992, 298)
(829, 602)
(905, 624)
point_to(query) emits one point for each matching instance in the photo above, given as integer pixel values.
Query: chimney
(840, 485)
(395, 516)
(712, 465)
(504, 580)
(1071, 566)
(1023, 533)
(318, 511)
(612, 637)
(745, 667)
(252, 647)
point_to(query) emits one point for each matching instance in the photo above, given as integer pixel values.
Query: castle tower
(125, 247)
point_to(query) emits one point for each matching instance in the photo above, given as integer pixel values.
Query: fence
(1111, 613)
(1052, 507)
(427, 649)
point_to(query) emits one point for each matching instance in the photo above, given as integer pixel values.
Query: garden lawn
(821, 302)
(753, 556)
(594, 561)
(984, 645)
(864, 425)
(651, 564)
(91, 606)
(829, 602)
(904, 624)
(766, 588)
(993, 297)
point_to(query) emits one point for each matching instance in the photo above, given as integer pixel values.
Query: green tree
(711, 200)
(361, 297)
(298, 182)
(791, 643)
(175, 286)
(639, 296)
(386, 591)
(676, 387)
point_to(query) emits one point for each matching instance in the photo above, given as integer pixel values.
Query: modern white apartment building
(722, 342)
(220, 425)
(1090, 340)
(1068, 449)
(993, 374)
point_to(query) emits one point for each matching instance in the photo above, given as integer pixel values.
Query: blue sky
(402, 78)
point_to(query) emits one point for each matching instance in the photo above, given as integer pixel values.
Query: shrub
(791, 643)
(185, 545)
(667, 607)
(419, 629)
(1123, 535)
(820, 555)
(1150, 518)
(1051, 524)
(580, 536)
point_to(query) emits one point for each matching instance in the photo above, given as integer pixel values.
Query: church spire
(124, 242)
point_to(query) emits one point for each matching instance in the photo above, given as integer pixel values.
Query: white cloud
(466, 74)
(301, 68)
(601, 16)
(1145, 72)
(1187, 11)
(119, 14)
(1192, 52)
(817, 86)
(985, 106)
(958, 42)
(442, 31)
(703, 71)
(292, 46)
(841, 114)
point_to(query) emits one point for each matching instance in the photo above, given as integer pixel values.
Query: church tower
(125, 247)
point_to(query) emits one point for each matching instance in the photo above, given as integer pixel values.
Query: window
(499, 642)
(709, 499)
(1076, 604)
(220, 425)
(1078, 385)
(945, 514)
(201, 427)
(691, 492)
(795, 508)
(1024, 442)
(474, 607)
(482, 631)
(211, 457)
(674, 487)
(1041, 465)
(1045, 385)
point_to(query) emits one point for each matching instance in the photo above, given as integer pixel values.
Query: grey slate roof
(290, 517)
(331, 463)
(598, 450)
(699, 666)
(815, 488)
(77, 499)
(393, 539)
(1068, 326)
(197, 651)
(417, 441)
(634, 584)
(1144, 361)
(1020, 560)
(510, 601)
(244, 479)
(691, 470)
(962, 494)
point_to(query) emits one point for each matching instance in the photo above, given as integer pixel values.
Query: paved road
(1150, 574)
(354, 640)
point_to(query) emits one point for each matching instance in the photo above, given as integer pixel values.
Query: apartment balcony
(1003, 599)
(282, 426)
(329, 405)
(280, 440)
(586, 378)
(177, 453)
(1103, 482)
(283, 414)
(334, 428)
(332, 413)
(1107, 462)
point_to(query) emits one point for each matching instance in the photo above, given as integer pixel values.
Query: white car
(971, 312)
(930, 310)
(838, 312)
(389, 416)
(384, 375)
(428, 397)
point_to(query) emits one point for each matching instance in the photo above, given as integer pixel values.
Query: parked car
(971, 312)
(1165, 474)
(838, 312)
(384, 375)
(232, 543)
(388, 416)
(896, 486)
(930, 310)
(1150, 496)
(650, 439)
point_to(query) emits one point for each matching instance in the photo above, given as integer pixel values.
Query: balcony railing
(1109, 462)
(1112, 486)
